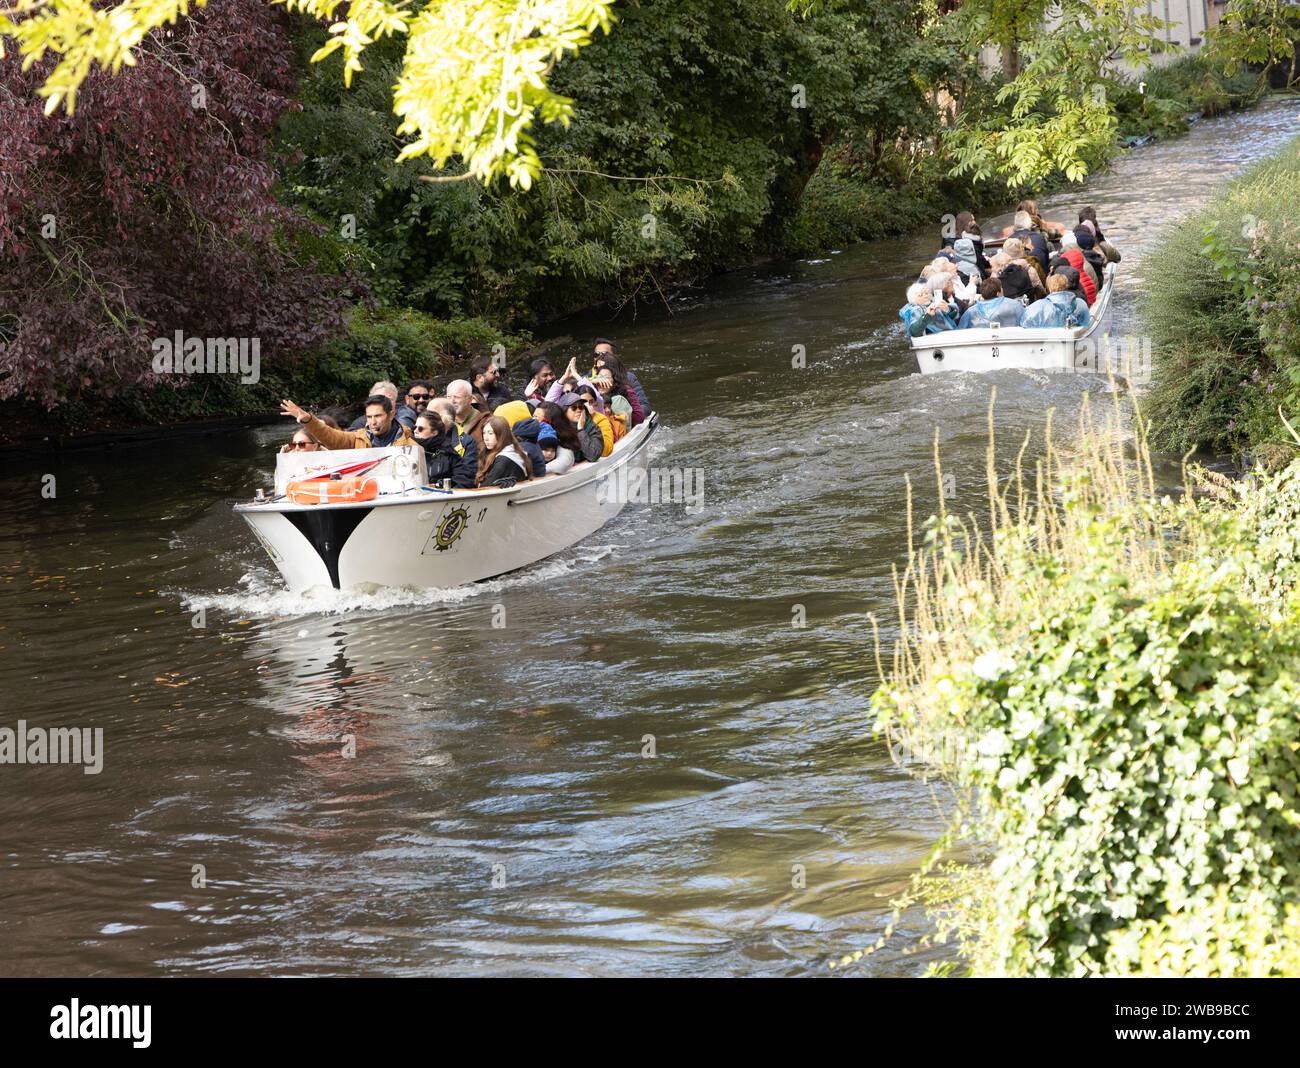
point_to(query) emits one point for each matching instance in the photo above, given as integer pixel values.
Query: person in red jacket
(1070, 250)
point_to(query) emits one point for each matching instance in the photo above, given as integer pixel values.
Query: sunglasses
(418, 396)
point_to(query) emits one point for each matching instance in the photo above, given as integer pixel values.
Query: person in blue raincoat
(1060, 308)
(924, 313)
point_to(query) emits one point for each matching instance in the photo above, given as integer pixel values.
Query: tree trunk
(1010, 59)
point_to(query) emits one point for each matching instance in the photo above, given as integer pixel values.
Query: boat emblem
(450, 528)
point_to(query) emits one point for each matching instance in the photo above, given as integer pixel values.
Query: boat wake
(262, 595)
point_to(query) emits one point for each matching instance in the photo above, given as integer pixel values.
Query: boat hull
(432, 538)
(1081, 349)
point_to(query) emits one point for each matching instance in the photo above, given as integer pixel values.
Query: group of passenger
(1044, 275)
(480, 433)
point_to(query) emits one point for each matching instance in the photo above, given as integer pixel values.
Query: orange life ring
(332, 490)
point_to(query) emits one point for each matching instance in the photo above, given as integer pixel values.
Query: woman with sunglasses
(591, 440)
(595, 406)
(441, 458)
(304, 442)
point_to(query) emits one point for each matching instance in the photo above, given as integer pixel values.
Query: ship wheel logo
(450, 528)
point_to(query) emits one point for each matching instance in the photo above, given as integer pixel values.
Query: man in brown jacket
(469, 420)
(380, 431)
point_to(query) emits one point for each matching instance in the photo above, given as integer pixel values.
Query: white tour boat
(415, 535)
(1079, 348)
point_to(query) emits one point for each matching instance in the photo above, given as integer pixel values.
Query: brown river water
(499, 816)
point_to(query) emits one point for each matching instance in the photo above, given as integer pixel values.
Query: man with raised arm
(380, 431)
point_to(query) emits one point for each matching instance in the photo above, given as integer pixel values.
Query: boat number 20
(995, 352)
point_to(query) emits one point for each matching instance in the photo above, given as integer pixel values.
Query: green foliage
(1226, 939)
(858, 195)
(1169, 93)
(1224, 319)
(1052, 113)
(1263, 33)
(379, 343)
(697, 127)
(1114, 681)
(472, 79)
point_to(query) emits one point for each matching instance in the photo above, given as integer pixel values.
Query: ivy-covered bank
(1110, 678)
(1224, 319)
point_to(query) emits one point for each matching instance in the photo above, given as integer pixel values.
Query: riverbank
(1110, 680)
(1224, 319)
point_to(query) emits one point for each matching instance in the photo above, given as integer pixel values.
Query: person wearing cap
(591, 439)
(1088, 246)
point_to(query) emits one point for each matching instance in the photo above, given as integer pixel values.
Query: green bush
(1224, 315)
(1114, 681)
(1157, 101)
(398, 344)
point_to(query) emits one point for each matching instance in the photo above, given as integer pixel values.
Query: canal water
(661, 764)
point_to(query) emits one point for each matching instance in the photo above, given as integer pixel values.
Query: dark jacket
(498, 395)
(1036, 243)
(525, 432)
(441, 460)
(640, 394)
(1016, 283)
(592, 441)
(504, 466)
(1098, 262)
